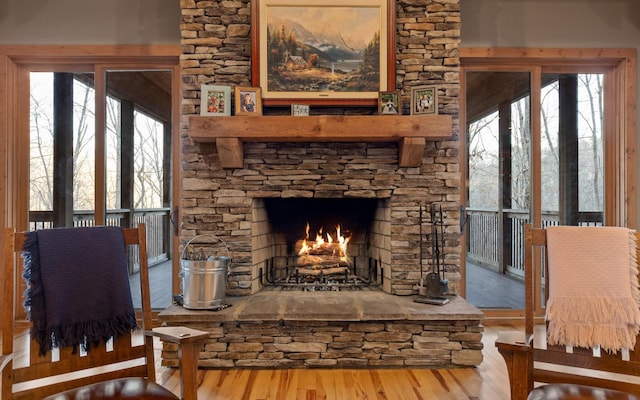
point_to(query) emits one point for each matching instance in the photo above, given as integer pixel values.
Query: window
(60, 163)
(548, 140)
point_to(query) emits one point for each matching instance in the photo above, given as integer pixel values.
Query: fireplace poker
(436, 285)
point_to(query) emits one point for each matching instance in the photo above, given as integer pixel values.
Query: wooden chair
(551, 369)
(126, 370)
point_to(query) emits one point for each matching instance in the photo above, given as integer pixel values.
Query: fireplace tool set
(434, 286)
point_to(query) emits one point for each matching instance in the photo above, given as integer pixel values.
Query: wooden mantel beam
(410, 131)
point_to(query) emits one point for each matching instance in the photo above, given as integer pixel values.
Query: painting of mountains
(317, 49)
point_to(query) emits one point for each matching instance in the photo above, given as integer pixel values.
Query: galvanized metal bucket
(204, 278)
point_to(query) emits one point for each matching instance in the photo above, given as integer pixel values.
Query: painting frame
(381, 13)
(424, 100)
(390, 103)
(211, 96)
(251, 93)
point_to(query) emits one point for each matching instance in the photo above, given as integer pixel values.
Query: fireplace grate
(330, 278)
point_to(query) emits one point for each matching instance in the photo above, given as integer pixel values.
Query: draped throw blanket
(78, 290)
(593, 294)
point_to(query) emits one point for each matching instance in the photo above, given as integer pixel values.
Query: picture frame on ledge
(424, 100)
(248, 101)
(299, 110)
(215, 101)
(389, 103)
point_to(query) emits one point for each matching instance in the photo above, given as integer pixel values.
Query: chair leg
(519, 367)
(188, 354)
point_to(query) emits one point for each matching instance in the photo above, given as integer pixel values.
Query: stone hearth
(352, 329)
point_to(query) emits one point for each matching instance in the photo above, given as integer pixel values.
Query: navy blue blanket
(78, 290)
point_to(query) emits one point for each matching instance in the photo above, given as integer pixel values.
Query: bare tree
(483, 162)
(520, 153)
(594, 121)
(148, 159)
(83, 166)
(41, 160)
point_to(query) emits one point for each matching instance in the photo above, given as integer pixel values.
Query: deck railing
(155, 219)
(495, 240)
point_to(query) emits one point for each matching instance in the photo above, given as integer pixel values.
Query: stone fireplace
(225, 201)
(376, 173)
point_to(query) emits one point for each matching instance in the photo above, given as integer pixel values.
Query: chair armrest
(517, 351)
(513, 340)
(178, 334)
(189, 344)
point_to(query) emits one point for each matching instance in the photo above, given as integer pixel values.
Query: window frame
(17, 62)
(619, 68)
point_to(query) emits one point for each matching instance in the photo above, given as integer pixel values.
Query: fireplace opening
(321, 244)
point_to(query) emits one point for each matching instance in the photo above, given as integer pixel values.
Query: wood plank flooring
(487, 381)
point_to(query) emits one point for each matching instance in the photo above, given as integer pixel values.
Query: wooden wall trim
(529, 55)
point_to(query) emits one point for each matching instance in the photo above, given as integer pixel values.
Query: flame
(320, 242)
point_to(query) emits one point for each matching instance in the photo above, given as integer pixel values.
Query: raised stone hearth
(351, 329)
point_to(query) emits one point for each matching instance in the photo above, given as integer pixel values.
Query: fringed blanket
(593, 294)
(77, 286)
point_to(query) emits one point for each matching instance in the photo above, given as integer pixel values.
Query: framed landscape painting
(329, 52)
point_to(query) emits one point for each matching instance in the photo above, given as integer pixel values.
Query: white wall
(31, 22)
(555, 23)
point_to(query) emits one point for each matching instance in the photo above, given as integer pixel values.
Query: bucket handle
(186, 246)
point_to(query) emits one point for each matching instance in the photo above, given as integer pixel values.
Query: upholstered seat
(123, 388)
(563, 391)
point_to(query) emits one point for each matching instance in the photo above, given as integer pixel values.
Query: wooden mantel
(410, 132)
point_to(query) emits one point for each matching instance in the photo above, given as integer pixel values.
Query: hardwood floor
(488, 381)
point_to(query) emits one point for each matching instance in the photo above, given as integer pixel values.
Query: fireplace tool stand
(434, 286)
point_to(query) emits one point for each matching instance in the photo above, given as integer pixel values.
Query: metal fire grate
(329, 278)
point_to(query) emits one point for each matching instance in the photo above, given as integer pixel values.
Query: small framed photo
(300, 110)
(424, 100)
(248, 100)
(215, 101)
(389, 103)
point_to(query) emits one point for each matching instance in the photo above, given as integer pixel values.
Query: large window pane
(499, 169)
(62, 131)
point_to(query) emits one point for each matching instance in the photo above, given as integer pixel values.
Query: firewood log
(320, 261)
(323, 271)
(326, 249)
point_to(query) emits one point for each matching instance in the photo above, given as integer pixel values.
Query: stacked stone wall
(325, 344)
(216, 47)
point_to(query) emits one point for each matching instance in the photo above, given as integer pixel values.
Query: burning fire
(332, 244)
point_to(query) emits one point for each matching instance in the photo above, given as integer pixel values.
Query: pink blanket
(593, 294)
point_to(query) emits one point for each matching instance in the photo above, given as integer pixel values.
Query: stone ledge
(365, 305)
